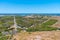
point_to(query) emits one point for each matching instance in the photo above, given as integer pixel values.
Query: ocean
(25, 14)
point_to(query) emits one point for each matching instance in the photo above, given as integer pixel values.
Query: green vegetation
(35, 23)
(19, 30)
(44, 27)
(50, 22)
(4, 38)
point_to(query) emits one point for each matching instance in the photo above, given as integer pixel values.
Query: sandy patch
(45, 35)
(57, 24)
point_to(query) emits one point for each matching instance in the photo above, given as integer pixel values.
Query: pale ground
(57, 24)
(44, 35)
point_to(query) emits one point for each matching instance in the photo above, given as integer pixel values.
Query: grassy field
(49, 23)
(44, 27)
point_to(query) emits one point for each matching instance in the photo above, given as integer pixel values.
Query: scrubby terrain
(29, 27)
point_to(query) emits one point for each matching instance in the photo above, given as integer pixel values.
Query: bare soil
(43, 35)
(57, 24)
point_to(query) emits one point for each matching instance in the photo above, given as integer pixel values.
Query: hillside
(29, 26)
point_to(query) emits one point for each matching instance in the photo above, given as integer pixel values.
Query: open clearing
(57, 24)
(43, 35)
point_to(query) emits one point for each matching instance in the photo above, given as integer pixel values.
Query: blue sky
(29, 6)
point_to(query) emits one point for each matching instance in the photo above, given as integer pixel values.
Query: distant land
(24, 14)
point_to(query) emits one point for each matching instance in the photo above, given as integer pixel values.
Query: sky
(29, 6)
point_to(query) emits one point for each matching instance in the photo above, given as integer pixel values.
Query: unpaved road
(57, 24)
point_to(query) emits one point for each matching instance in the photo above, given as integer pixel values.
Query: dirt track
(57, 24)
